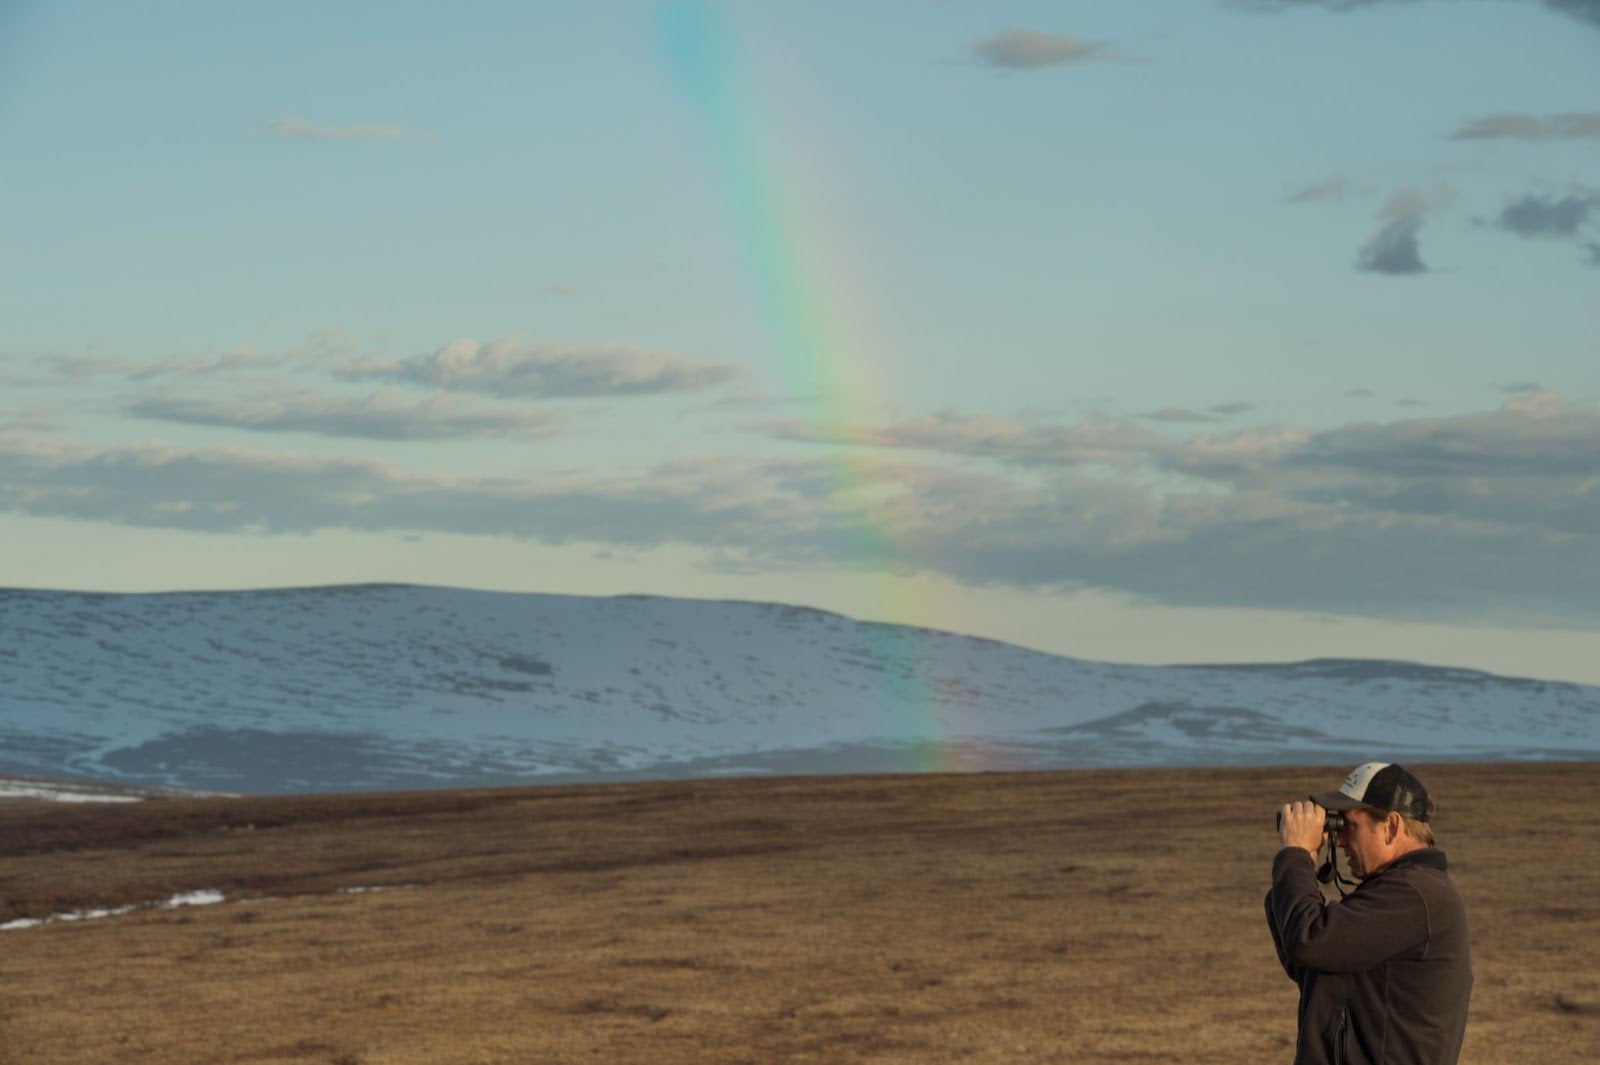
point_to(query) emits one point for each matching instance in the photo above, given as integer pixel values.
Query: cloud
(1531, 127)
(1289, 5)
(1412, 202)
(1591, 253)
(1538, 433)
(1258, 550)
(510, 366)
(380, 416)
(1582, 10)
(1177, 415)
(301, 129)
(29, 417)
(1479, 466)
(1394, 248)
(1033, 50)
(1332, 190)
(1493, 514)
(1534, 433)
(1399, 513)
(1104, 442)
(702, 503)
(85, 365)
(1545, 216)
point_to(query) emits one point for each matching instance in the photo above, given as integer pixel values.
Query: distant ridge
(390, 686)
(1373, 669)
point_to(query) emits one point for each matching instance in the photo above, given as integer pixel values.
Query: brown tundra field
(1039, 917)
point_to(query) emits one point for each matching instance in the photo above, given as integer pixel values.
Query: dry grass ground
(1054, 917)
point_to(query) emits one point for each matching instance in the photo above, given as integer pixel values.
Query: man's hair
(1421, 831)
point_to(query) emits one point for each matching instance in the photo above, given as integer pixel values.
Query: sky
(1178, 331)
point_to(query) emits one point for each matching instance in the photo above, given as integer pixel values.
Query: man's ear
(1394, 826)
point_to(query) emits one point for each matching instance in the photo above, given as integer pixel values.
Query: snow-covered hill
(386, 686)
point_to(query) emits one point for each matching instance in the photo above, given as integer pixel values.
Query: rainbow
(805, 297)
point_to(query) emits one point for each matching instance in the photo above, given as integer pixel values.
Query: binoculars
(1333, 824)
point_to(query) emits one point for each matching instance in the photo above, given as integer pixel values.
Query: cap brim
(1335, 800)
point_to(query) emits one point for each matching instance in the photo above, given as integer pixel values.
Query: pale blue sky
(1169, 331)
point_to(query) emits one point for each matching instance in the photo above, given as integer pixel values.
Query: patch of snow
(204, 897)
(58, 793)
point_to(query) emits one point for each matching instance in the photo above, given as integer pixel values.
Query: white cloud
(380, 416)
(1108, 442)
(1539, 433)
(1579, 125)
(511, 366)
(87, 365)
(1242, 456)
(1533, 465)
(1033, 49)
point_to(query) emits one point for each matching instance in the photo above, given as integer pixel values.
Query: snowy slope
(379, 687)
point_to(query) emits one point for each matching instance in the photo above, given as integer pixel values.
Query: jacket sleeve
(1288, 869)
(1383, 918)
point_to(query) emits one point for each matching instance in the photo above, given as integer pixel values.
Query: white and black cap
(1382, 785)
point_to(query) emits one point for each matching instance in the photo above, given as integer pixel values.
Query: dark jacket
(1384, 973)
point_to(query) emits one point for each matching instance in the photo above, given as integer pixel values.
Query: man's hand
(1302, 824)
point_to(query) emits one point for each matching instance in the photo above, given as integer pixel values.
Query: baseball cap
(1380, 784)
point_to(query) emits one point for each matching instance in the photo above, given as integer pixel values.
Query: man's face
(1362, 840)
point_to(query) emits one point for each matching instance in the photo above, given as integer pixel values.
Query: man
(1386, 971)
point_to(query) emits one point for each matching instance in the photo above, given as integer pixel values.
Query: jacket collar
(1427, 857)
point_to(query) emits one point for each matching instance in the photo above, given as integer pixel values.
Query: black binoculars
(1333, 824)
